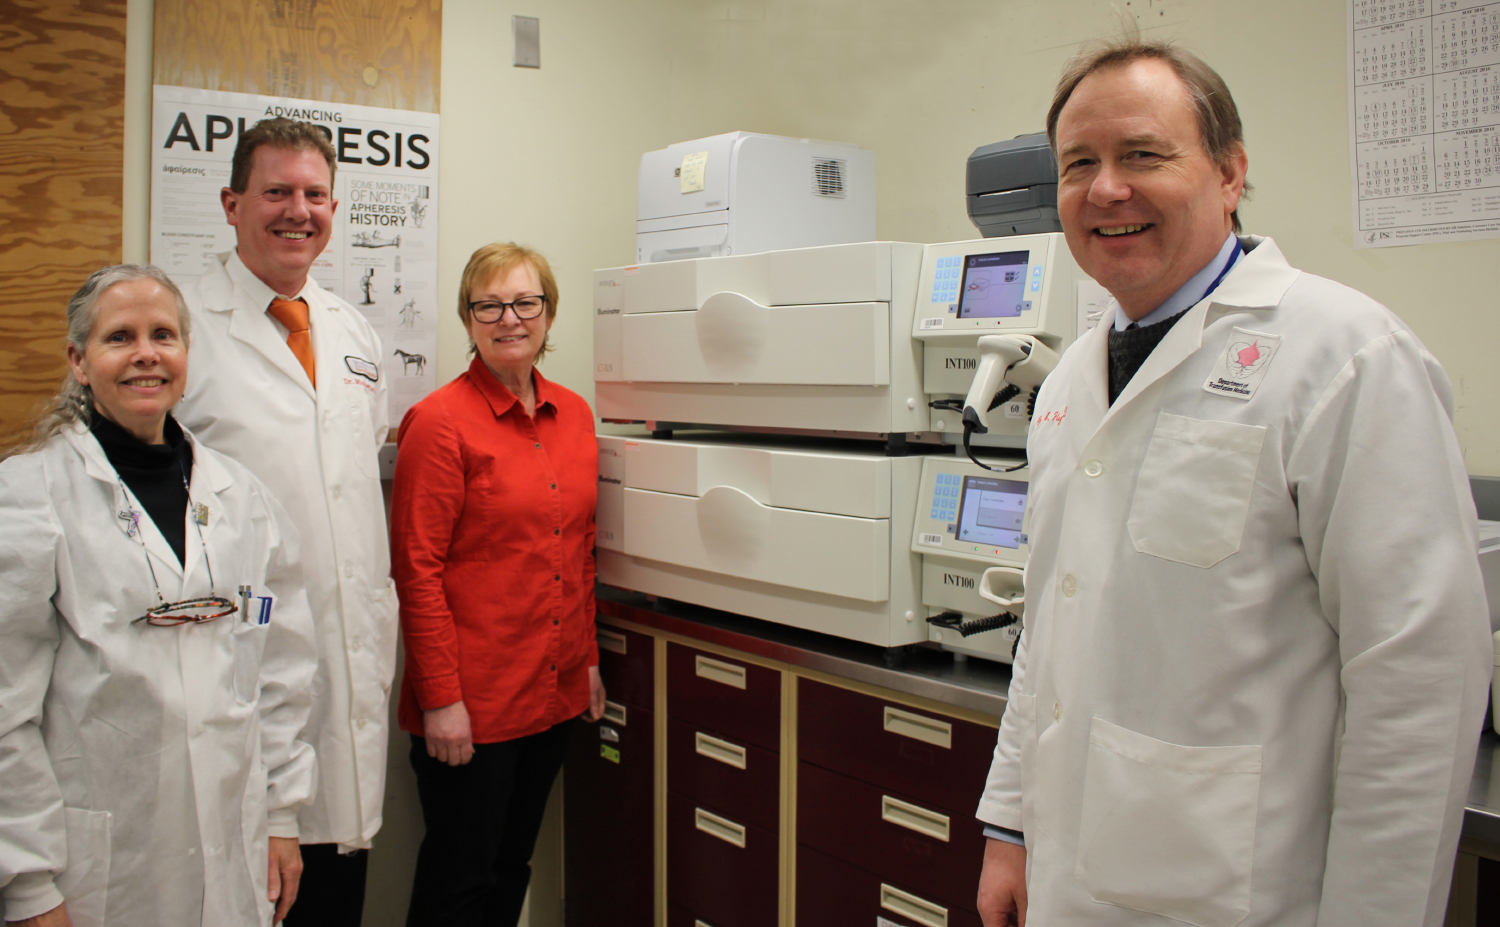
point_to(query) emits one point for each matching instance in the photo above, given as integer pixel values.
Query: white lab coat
(141, 764)
(249, 398)
(1254, 667)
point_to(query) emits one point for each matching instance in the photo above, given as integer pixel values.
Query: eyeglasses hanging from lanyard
(187, 611)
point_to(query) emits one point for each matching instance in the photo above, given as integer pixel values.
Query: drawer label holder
(919, 727)
(722, 828)
(913, 908)
(721, 751)
(914, 817)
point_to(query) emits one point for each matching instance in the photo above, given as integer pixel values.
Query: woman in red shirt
(492, 535)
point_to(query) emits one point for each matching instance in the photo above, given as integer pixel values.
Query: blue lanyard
(1234, 255)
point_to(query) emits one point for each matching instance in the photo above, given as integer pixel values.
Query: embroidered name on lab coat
(362, 367)
(1243, 364)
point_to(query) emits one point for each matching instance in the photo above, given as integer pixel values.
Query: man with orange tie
(287, 379)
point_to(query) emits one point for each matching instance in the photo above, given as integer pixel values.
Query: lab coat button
(1093, 468)
(360, 723)
(1056, 711)
(1069, 585)
(349, 570)
(337, 493)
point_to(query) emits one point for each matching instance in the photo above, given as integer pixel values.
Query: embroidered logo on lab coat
(1246, 358)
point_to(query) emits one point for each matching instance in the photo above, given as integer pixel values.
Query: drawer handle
(715, 826)
(609, 640)
(718, 671)
(721, 750)
(910, 906)
(914, 817)
(614, 713)
(919, 727)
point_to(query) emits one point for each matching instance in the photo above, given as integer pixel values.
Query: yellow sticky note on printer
(693, 166)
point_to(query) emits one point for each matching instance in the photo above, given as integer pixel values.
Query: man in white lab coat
(1254, 667)
(287, 378)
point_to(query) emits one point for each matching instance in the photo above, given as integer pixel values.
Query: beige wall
(548, 157)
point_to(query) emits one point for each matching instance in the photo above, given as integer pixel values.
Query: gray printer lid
(1023, 161)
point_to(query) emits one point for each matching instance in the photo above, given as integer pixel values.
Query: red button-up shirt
(492, 537)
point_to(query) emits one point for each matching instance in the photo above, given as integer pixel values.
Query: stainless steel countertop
(975, 684)
(979, 685)
(1482, 816)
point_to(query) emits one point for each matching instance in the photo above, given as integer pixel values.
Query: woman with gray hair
(156, 652)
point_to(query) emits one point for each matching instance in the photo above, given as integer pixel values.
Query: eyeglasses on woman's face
(491, 310)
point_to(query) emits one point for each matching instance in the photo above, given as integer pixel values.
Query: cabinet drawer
(925, 755)
(737, 700)
(735, 779)
(607, 825)
(937, 853)
(831, 893)
(722, 870)
(627, 660)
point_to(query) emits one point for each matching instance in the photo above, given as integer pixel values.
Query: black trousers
(332, 890)
(482, 820)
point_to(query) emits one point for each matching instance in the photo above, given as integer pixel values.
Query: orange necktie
(293, 314)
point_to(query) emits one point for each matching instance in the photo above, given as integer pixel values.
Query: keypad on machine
(945, 497)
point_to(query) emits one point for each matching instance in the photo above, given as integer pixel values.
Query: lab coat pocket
(85, 883)
(1193, 492)
(1167, 829)
(249, 646)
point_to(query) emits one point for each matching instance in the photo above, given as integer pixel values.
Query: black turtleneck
(154, 474)
(1129, 349)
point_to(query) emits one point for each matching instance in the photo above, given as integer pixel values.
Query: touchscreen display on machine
(993, 286)
(990, 511)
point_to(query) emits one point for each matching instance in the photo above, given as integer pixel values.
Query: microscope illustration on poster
(382, 256)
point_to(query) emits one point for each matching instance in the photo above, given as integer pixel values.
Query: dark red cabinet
(832, 893)
(736, 779)
(720, 870)
(608, 795)
(937, 852)
(928, 756)
(737, 699)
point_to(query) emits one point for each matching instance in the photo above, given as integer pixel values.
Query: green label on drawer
(609, 753)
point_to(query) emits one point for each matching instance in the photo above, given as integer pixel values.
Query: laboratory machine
(854, 340)
(743, 192)
(764, 379)
(830, 536)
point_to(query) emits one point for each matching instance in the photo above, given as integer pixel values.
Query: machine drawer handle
(914, 817)
(715, 826)
(719, 671)
(919, 727)
(611, 641)
(910, 906)
(721, 750)
(614, 713)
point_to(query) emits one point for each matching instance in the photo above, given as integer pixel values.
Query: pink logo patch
(1244, 359)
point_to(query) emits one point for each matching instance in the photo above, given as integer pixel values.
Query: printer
(1011, 187)
(743, 193)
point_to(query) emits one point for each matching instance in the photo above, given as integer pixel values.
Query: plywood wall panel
(370, 52)
(62, 111)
